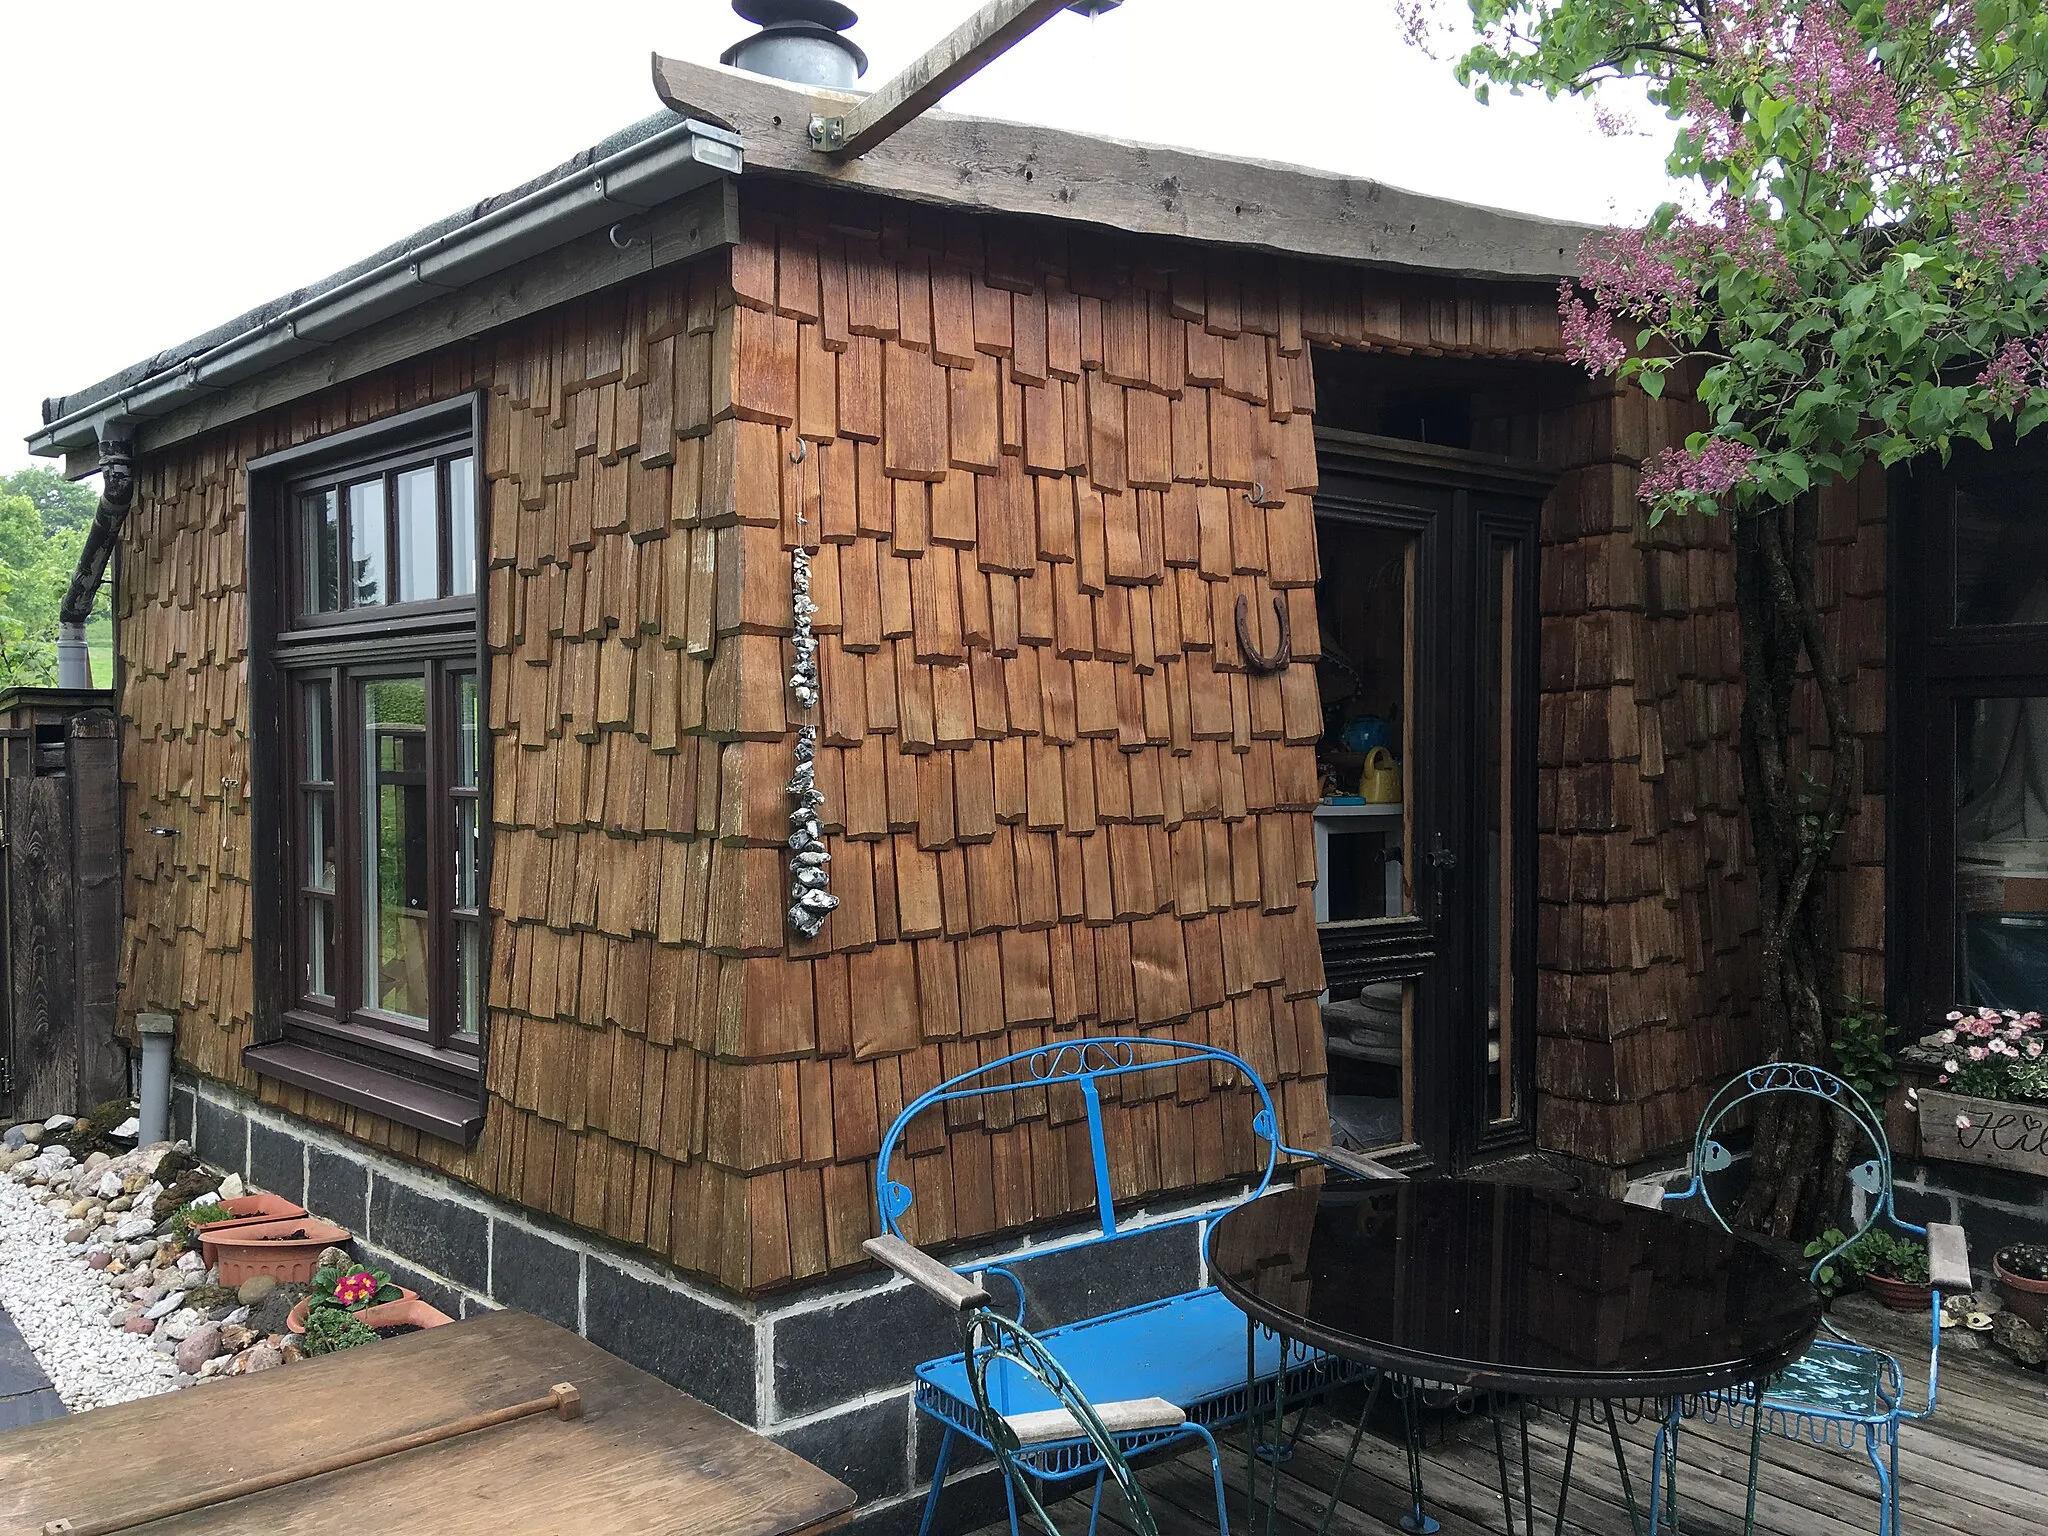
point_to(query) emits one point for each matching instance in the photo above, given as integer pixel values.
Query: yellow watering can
(1380, 782)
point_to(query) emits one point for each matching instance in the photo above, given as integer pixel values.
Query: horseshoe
(1282, 654)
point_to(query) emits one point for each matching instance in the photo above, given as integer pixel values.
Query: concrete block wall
(826, 1371)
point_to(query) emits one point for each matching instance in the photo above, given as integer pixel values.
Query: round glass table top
(1512, 1288)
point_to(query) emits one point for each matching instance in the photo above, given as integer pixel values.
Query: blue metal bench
(1839, 1392)
(1189, 1350)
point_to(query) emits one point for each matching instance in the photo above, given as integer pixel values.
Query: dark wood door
(1426, 611)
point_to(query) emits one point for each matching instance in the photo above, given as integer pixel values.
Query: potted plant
(332, 1329)
(409, 1312)
(349, 1288)
(1991, 1103)
(286, 1250)
(1895, 1269)
(242, 1211)
(2022, 1271)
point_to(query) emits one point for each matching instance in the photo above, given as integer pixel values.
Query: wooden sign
(1996, 1134)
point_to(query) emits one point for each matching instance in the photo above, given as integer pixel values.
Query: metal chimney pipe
(799, 41)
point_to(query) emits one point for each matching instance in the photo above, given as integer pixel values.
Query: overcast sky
(164, 167)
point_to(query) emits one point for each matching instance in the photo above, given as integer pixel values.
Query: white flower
(1962, 1122)
(1948, 1037)
(1950, 1067)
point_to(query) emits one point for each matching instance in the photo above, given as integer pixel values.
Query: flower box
(1992, 1133)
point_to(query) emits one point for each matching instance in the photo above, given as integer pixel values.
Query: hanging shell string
(810, 899)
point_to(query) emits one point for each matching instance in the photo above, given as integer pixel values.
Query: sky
(165, 167)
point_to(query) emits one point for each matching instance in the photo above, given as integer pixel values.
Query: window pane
(2001, 553)
(2002, 852)
(1498, 746)
(1365, 603)
(320, 528)
(466, 741)
(395, 844)
(469, 979)
(1371, 1040)
(419, 536)
(319, 871)
(461, 526)
(319, 948)
(366, 543)
(465, 855)
(318, 700)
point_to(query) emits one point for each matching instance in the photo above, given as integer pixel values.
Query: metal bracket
(828, 134)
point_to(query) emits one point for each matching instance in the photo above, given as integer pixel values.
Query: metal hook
(802, 452)
(1257, 494)
(628, 242)
(1283, 653)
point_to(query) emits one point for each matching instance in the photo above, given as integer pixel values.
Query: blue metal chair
(1187, 1351)
(1839, 1392)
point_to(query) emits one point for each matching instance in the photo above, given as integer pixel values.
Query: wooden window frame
(1937, 663)
(423, 1076)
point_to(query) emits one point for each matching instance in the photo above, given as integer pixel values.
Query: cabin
(1182, 595)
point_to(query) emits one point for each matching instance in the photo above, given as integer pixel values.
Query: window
(370, 666)
(1970, 819)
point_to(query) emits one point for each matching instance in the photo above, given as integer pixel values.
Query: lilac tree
(1858, 272)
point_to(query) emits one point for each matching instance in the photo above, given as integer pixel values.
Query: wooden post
(988, 34)
(60, 895)
(95, 814)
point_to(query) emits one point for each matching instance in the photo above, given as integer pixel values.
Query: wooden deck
(1978, 1468)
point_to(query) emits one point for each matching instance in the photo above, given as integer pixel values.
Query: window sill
(456, 1117)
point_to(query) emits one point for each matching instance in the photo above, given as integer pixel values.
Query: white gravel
(62, 1308)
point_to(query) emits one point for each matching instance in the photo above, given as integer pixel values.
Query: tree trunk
(1797, 794)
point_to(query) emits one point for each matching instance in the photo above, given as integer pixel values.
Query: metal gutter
(633, 180)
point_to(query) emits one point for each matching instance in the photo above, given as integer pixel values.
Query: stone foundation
(825, 1371)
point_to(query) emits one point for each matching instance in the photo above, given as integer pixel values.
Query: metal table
(1497, 1296)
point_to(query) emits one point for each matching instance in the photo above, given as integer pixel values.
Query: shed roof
(945, 159)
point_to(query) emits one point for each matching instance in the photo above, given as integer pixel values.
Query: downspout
(117, 494)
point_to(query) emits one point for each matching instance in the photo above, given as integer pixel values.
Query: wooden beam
(986, 35)
(984, 166)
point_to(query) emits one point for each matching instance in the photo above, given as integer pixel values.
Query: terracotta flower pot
(1900, 1295)
(398, 1314)
(295, 1319)
(245, 1210)
(289, 1251)
(2024, 1298)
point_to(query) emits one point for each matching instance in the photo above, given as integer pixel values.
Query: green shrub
(332, 1328)
(194, 1216)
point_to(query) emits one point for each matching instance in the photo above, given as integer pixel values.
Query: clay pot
(397, 1314)
(295, 1319)
(287, 1250)
(246, 1211)
(2024, 1298)
(1900, 1295)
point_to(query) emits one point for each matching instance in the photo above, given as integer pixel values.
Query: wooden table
(642, 1458)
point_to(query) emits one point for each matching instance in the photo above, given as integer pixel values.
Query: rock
(231, 1187)
(14, 1157)
(255, 1288)
(109, 1186)
(127, 1129)
(132, 1228)
(333, 1258)
(79, 1208)
(2019, 1338)
(139, 1324)
(217, 1366)
(291, 1352)
(97, 1161)
(264, 1357)
(139, 1253)
(164, 1306)
(77, 1232)
(54, 1124)
(235, 1338)
(99, 1258)
(120, 1205)
(182, 1324)
(191, 1264)
(198, 1347)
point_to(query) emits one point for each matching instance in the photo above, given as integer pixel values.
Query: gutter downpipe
(117, 493)
(632, 180)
